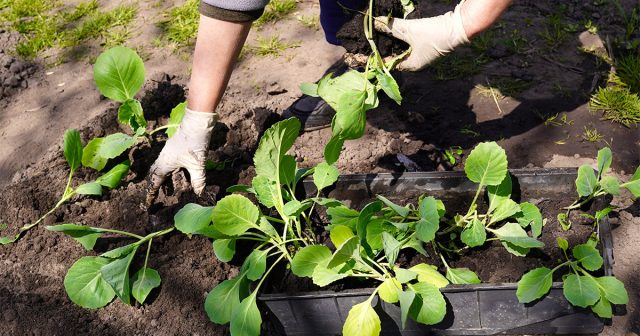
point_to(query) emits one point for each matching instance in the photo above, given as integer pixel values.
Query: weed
(631, 20)
(454, 66)
(484, 42)
(617, 104)
(555, 32)
(555, 120)
(181, 25)
(309, 21)
(452, 154)
(591, 27)
(99, 23)
(272, 46)
(628, 72)
(116, 37)
(276, 10)
(591, 134)
(516, 42)
(468, 130)
(42, 30)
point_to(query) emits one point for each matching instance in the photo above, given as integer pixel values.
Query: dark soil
(441, 108)
(15, 73)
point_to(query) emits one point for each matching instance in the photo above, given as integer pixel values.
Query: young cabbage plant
(368, 243)
(72, 148)
(354, 93)
(486, 165)
(580, 287)
(94, 281)
(591, 184)
(119, 75)
(235, 217)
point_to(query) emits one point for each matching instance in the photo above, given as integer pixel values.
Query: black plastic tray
(483, 309)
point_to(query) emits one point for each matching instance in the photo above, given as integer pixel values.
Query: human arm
(218, 44)
(433, 37)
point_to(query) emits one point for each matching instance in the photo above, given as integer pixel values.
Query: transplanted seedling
(487, 166)
(580, 287)
(236, 218)
(93, 281)
(591, 184)
(354, 93)
(119, 75)
(368, 243)
(73, 152)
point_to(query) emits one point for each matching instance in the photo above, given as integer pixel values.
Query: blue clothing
(333, 16)
(332, 13)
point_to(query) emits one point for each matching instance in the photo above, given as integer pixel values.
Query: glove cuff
(196, 127)
(458, 35)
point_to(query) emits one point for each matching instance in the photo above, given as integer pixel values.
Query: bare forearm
(479, 15)
(217, 47)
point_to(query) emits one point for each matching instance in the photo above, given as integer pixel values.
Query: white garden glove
(187, 148)
(429, 38)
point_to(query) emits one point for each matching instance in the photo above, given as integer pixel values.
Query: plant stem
(264, 276)
(163, 127)
(124, 233)
(472, 207)
(146, 258)
(273, 219)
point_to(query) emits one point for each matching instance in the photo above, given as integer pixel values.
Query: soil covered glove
(186, 149)
(429, 38)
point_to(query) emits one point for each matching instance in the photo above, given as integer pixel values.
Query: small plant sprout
(93, 282)
(591, 184)
(119, 75)
(580, 287)
(73, 152)
(452, 154)
(591, 134)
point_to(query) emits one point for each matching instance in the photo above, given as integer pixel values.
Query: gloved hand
(187, 148)
(429, 38)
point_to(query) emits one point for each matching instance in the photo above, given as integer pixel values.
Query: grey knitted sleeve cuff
(233, 11)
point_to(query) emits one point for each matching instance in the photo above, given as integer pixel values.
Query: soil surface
(444, 106)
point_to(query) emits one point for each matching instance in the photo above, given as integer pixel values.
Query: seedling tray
(483, 309)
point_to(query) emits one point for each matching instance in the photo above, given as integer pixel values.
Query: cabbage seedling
(354, 93)
(236, 218)
(73, 152)
(591, 184)
(93, 281)
(580, 287)
(119, 75)
(486, 165)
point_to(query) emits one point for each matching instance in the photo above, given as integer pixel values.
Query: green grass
(516, 42)
(181, 25)
(628, 72)
(484, 42)
(557, 29)
(276, 10)
(309, 21)
(591, 134)
(272, 46)
(46, 24)
(617, 104)
(454, 66)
